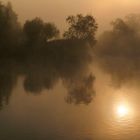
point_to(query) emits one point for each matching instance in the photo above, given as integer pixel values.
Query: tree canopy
(9, 26)
(81, 27)
(123, 39)
(38, 31)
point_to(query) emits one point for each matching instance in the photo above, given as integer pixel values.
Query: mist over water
(118, 50)
(43, 71)
(75, 87)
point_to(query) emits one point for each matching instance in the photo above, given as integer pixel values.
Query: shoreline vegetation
(37, 52)
(36, 34)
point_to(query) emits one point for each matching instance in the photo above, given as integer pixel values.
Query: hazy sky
(56, 10)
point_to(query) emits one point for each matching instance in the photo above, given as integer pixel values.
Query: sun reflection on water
(123, 111)
(122, 121)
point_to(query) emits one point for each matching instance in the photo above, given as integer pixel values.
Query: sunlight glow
(122, 110)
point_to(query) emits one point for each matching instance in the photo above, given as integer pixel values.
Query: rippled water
(47, 116)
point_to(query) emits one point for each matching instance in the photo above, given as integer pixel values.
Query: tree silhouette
(38, 32)
(50, 31)
(9, 26)
(81, 27)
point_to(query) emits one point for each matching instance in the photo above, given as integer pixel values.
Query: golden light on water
(123, 110)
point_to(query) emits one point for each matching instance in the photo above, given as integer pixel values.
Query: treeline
(36, 52)
(36, 33)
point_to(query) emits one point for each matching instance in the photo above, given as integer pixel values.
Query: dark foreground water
(113, 113)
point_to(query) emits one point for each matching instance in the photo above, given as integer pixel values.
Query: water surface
(47, 114)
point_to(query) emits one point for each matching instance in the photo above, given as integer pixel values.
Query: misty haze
(69, 70)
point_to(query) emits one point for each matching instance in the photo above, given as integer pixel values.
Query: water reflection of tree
(8, 78)
(61, 60)
(34, 52)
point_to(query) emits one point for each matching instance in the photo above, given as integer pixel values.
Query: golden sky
(56, 10)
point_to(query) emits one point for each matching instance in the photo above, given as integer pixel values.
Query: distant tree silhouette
(38, 32)
(120, 26)
(33, 30)
(81, 27)
(123, 39)
(42, 68)
(50, 31)
(9, 26)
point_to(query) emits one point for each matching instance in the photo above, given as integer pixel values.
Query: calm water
(113, 114)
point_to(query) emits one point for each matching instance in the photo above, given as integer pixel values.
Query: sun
(122, 110)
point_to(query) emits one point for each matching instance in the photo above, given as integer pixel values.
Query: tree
(81, 27)
(9, 26)
(37, 32)
(123, 39)
(50, 31)
(33, 29)
(120, 26)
